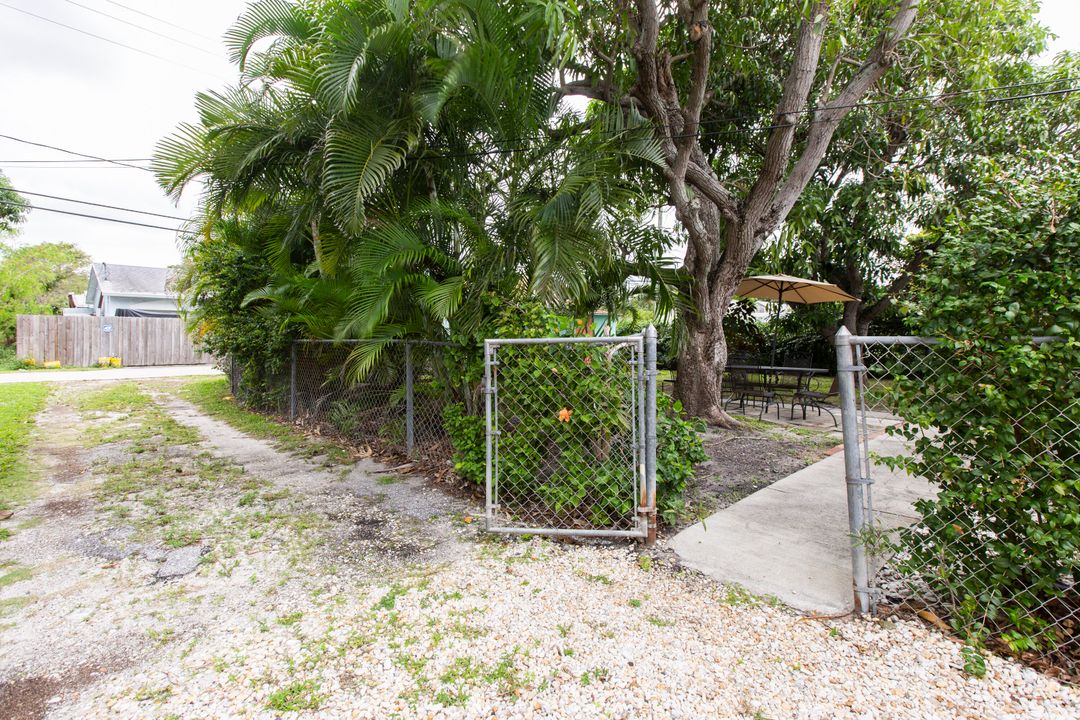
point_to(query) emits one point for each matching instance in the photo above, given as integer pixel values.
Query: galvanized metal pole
(292, 381)
(853, 470)
(489, 506)
(650, 429)
(409, 424)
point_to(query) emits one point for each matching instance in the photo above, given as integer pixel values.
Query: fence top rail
(600, 340)
(916, 340)
(356, 341)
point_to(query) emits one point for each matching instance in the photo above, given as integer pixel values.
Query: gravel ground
(350, 593)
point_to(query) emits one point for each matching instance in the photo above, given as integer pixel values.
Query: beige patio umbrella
(786, 288)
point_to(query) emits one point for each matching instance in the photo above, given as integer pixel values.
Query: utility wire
(93, 217)
(100, 205)
(72, 152)
(107, 160)
(707, 133)
(766, 128)
(142, 27)
(108, 40)
(161, 20)
(68, 167)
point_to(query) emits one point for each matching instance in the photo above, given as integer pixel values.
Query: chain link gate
(571, 435)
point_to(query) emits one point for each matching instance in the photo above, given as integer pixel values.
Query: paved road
(127, 373)
(790, 539)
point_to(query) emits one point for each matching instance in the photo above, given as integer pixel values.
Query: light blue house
(128, 291)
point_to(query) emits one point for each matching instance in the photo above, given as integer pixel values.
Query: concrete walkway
(790, 539)
(126, 373)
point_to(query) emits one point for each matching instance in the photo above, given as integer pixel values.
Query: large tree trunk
(702, 358)
(703, 354)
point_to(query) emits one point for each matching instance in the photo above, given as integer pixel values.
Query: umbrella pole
(776, 324)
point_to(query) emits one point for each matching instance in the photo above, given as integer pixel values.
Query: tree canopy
(400, 162)
(35, 280)
(13, 210)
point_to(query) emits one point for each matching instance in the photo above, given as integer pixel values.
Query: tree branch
(797, 86)
(827, 117)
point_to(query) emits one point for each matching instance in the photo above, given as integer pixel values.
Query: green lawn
(19, 403)
(212, 397)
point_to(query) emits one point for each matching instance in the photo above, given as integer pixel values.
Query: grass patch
(19, 403)
(14, 605)
(389, 600)
(212, 397)
(142, 422)
(296, 696)
(16, 574)
(121, 397)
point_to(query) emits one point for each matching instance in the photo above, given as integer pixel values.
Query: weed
(389, 600)
(302, 695)
(634, 603)
(387, 480)
(163, 636)
(10, 606)
(974, 662)
(659, 621)
(645, 562)
(564, 630)
(602, 579)
(599, 674)
(17, 574)
(290, 619)
(147, 694)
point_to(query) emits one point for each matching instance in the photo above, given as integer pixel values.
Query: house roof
(114, 279)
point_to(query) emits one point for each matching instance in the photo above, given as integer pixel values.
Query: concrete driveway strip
(790, 539)
(126, 373)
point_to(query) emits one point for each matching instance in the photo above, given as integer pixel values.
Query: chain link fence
(395, 407)
(963, 474)
(571, 435)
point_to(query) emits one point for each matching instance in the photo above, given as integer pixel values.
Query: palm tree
(399, 162)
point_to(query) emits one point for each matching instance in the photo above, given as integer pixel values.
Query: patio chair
(805, 397)
(743, 387)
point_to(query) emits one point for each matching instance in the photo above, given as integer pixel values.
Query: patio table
(766, 383)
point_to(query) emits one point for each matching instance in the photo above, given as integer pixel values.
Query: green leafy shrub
(993, 418)
(678, 449)
(467, 436)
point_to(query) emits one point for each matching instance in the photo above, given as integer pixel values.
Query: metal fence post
(292, 381)
(650, 430)
(853, 470)
(489, 504)
(409, 413)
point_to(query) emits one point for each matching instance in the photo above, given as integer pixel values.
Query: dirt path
(300, 588)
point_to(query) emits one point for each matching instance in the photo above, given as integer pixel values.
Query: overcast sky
(65, 88)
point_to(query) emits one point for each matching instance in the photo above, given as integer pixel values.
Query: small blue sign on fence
(106, 328)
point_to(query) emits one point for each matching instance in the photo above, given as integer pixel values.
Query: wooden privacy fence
(82, 339)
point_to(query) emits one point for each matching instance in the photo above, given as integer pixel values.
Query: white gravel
(460, 626)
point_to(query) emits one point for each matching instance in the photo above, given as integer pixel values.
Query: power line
(108, 40)
(141, 27)
(160, 20)
(93, 217)
(766, 128)
(107, 160)
(101, 205)
(68, 167)
(72, 152)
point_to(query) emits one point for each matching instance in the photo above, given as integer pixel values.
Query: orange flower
(564, 415)
(588, 360)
